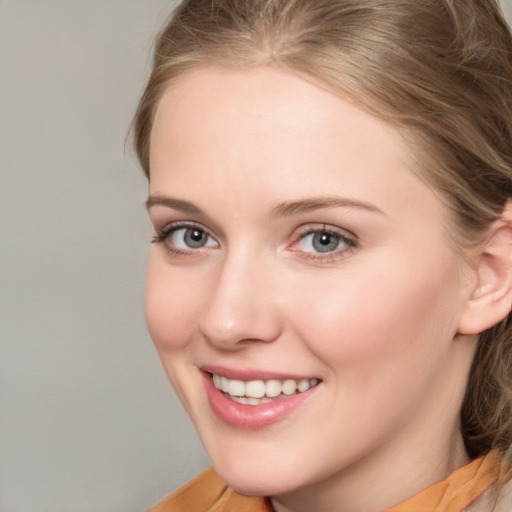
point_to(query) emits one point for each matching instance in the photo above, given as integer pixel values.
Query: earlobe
(491, 297)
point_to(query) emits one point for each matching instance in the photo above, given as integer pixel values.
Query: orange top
(208, 493)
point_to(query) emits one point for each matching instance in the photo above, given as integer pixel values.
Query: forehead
(262, 97)
(270, 132)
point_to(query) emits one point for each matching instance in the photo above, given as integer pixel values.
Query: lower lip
(252, 417)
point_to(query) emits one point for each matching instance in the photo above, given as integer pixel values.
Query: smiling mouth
(256, 392)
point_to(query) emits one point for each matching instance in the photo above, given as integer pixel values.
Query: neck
(380, 481)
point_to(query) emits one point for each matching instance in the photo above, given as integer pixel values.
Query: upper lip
(248, 374)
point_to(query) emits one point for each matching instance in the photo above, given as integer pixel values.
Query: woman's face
(298, 255)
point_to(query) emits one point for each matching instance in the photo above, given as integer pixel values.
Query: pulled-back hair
(441, 70)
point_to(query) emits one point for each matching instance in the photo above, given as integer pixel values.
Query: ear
(491, 297)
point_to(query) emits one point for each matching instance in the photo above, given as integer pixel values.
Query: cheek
(385, 348)
(372, 321)
(172, 305)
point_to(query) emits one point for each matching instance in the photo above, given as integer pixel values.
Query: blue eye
(190, 238)
(324, 241)
(184, 239)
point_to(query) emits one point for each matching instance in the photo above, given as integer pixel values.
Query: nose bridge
(240, 306)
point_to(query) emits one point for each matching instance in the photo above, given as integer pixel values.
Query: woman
(331, 277)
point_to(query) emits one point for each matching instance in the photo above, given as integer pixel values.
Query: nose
(242, 305)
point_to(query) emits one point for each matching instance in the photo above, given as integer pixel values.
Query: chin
(263, 479)
(258, 485)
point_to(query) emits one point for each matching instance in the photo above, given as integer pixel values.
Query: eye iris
(325, 242)
(195, 238)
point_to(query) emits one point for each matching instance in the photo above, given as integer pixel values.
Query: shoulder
(198, 494)
(208, 493)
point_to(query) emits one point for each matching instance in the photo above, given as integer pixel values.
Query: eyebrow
(284, 209)
(175, 204)
(316, 203)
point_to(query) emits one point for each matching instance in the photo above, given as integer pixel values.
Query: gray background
(88, 421)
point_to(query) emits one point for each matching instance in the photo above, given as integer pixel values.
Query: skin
(377, 319)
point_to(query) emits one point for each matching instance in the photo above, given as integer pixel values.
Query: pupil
(196, 236)
(325, 239)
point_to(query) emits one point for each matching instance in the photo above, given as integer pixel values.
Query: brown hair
(440, 69)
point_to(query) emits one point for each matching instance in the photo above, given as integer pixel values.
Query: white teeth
(272, 388)
(250, 401)
(236, 388)
(255, 392)
(255, 389)
(289, 386)
(303, 385)
(224, 384)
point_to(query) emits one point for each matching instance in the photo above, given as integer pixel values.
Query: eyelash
(350, 241)
(163, 235)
